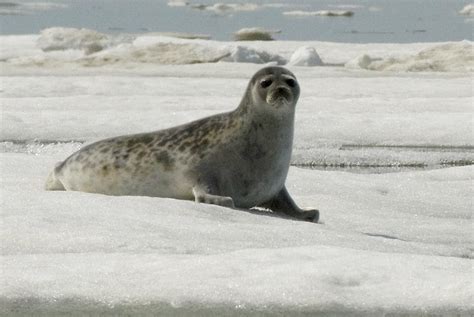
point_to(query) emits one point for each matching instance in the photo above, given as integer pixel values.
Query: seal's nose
(282, 90)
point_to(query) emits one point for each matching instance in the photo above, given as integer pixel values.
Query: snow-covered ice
(58, 38)
(69, 49)
(245, 54)
(383, 237)
(467, 10)
(396, 243)
(28, 7)
(347, 6)
(305, 56)
(177, 3)
(227, 8)
(184, 35)
(326, 13)
(457, 57)
(255, 34)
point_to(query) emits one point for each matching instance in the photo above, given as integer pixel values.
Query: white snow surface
(397, 243)
(343, 117)
(388, 243)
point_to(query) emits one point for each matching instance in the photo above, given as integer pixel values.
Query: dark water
(453, 156)
(373, 20)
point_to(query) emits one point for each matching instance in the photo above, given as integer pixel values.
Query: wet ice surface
(387, 243)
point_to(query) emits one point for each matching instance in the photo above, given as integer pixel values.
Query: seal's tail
(52, 182)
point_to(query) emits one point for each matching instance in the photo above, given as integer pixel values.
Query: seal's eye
(266, 83)
(291, 82)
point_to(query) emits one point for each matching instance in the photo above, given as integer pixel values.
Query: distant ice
(183, 35)
(243, 54)
(177, 3)
(26, 8)
(346, 6)
(279, 5)
(227, 8)
(305, 56)
(468, 10)
(65, 49)
(362, 61)
(455, 57)
(160, 53)
(255, 34)
(60, 38)
(328, 13)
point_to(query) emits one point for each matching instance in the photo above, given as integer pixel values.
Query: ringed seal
(235, 159)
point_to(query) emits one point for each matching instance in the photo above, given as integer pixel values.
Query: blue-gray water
(397, 21)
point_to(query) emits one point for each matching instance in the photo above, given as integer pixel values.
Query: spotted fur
(236, 158)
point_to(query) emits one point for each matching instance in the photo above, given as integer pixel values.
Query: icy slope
(393, 243)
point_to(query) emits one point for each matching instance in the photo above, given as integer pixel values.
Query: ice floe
(227, 8)
(456, 57)
(60, 38)
(64, 49)
(26, 8)
(177, 3)
(383, 237)
(468, 10)
(344, 117)
(255, 34)
(328, 13)
(243, 54)
(183, 35)
(305, 56)
(346, 6)
(160, 53)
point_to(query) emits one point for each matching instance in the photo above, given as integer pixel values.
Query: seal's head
(274, 88)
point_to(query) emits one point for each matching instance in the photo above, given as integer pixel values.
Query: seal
(235, 159)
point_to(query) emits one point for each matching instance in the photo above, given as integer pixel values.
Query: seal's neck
(267, 133)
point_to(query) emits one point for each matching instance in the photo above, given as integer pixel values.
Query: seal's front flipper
(201, 196)
(282, 202)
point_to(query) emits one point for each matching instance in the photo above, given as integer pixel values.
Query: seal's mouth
(279, 96)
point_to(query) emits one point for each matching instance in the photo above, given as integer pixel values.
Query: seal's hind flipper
(52, 182)
(283, 202)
